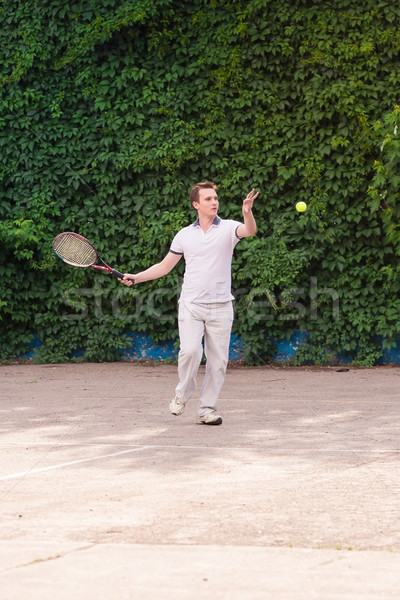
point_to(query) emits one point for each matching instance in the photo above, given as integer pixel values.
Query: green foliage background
(111, 110)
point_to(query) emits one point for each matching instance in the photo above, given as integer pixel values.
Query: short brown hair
(194, 192)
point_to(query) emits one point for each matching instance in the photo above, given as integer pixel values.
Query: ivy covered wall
(109, 112)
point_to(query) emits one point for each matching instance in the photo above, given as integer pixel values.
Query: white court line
(285, 451)
(68, 464)
(134, 447)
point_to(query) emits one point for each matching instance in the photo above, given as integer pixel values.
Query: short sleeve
(176, 245)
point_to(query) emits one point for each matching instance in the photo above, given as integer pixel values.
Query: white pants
(213, 322)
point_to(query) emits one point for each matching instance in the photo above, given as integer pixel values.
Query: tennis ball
(301, 206)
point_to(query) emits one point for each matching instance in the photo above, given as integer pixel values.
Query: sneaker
(210, 419)
(176, 406)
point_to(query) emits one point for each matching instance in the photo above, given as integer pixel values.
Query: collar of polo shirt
(217, 221)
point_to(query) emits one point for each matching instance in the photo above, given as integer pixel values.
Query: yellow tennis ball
(301, 206)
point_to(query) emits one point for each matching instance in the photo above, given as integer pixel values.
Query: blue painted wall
(142, 347)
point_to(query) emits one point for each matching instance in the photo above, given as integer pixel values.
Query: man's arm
(249, 227)
(154, 272)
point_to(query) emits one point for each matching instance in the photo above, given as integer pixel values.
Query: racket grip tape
(119, 275)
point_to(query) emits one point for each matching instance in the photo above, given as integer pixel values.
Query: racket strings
(75, 250)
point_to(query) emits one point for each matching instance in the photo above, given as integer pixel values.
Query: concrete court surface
(106, 495)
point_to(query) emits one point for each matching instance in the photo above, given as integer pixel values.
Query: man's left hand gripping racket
(77, 251)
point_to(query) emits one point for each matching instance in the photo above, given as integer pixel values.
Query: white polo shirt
(208, 258)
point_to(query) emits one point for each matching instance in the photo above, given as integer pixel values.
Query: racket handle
(119, 275)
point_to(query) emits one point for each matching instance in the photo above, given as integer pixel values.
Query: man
(205, 303)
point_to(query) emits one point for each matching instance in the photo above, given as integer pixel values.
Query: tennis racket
(77, 251)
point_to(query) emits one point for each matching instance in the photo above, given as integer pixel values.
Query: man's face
(207, 204)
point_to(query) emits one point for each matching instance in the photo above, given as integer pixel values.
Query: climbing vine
(111, 110)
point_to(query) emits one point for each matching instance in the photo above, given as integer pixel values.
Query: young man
(205, 303)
